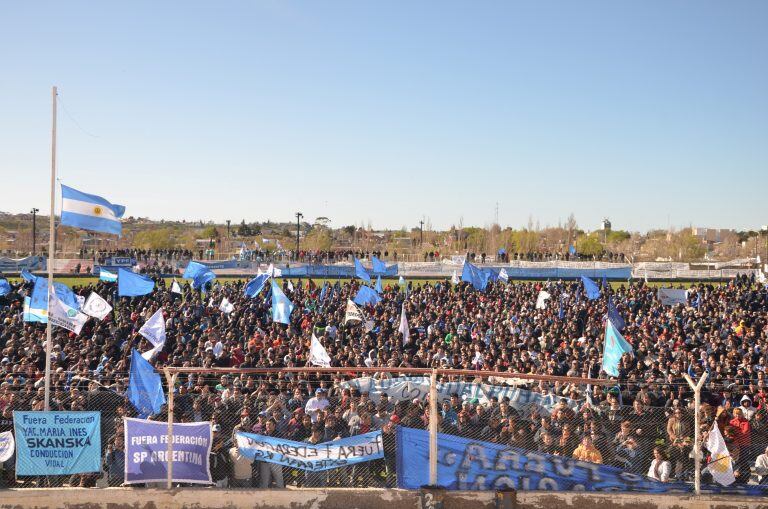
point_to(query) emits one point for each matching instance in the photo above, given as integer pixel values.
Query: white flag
(61, 315)
(404, 329)
(96, 306)
(353, 312)
(7, 446)
(455, 278)
(761, 277)
(503, 275)
(273, 271)
(290, 285)
(154, 330)
(175, 287)
(226, 307)
(218, 349)
(478, 359)
(318, 356)
(368, 325)
(721, 465)
(541, 302)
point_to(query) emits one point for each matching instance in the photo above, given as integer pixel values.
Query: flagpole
(51, 258)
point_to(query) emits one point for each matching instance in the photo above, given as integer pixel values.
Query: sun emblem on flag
(721, 463)
(98, 210)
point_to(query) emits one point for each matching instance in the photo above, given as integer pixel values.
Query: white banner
(7, 446)
(671, 296)
(405, 388)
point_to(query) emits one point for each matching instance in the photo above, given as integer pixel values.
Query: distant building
(711, 235)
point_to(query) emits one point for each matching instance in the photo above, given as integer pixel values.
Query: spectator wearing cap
(317, 403)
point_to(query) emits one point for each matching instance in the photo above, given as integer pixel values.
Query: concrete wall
(202, 498)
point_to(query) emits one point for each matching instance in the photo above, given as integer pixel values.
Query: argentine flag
(90, 212)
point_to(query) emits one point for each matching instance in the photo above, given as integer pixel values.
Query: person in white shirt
(660, 467)
(242, 473)
(746, 407)
(316, 404)
(761, 467)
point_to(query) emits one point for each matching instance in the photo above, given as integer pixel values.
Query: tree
(210, 232)
(589, 245)
(319, 239)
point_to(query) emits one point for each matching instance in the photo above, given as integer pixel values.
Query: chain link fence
(643, 429)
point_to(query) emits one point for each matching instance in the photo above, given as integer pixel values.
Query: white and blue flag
(107, 276)
(90, 212)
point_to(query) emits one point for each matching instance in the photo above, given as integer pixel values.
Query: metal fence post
(433, 428)
(697, 429)
(171, 379)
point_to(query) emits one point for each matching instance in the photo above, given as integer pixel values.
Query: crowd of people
(641, 422)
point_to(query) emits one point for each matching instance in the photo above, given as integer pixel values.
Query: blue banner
(57, 443)
(465, 464)
(312, 457)
(146, 451)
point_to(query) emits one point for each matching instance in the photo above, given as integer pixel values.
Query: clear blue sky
(390, 111)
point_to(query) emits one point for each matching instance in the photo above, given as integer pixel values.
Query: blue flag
(145, 391)
(572, 250)
(202, 278)
(614, 316)
(324, 291)
(591, 289)
(39, 298)
(5, 287)
(614, 347)
(378, 266)
(378, 286)
(130, 284)
(361, 272)
(28, 276)
(561, 311)
(366, 295)
(193, 269)
(604, 283)
(476, 277)
(90, 212)
(282, 307)
(256, 285)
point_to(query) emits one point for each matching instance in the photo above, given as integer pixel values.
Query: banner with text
(57, 443)
(146, 451)
(313, 457)
(465, 464)
(408, 388)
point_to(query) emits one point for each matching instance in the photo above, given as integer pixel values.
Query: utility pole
(228, 223)
(421, 232)
(299, 215)
(34, 228)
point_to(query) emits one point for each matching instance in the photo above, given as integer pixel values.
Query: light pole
(764, 232)
(228, 223)
(34, 228)
(421, 233)
(299, 215)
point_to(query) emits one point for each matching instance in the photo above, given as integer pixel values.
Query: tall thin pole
(433, 428)
(697, 429)
(34, 229)
(51, 258)
(299, 215)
